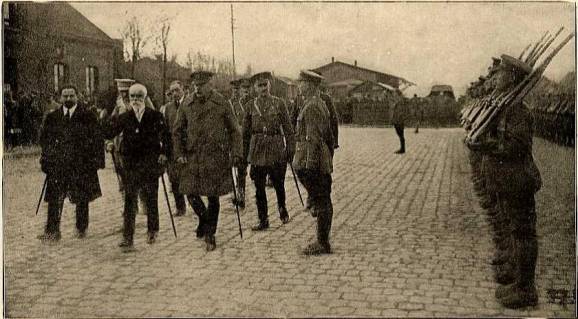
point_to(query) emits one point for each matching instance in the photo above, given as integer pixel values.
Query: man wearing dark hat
(207, 142)
(508, 162)
(144, 151)
(169, 111)
(313, 161)
(268, 145)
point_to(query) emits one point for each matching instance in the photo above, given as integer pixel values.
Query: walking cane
(168, 204)
(115, 168)
(291, 166)
(41, 194)
(233, 174)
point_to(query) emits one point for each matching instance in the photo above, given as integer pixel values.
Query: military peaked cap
(201, 76)
(124, 84)
(513, 63)
(261, 77)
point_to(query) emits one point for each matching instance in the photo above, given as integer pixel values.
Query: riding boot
(523, 292)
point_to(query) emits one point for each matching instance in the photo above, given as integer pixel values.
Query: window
(91, 80)
(60, 75)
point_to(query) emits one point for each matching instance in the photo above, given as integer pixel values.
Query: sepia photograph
(289, 159)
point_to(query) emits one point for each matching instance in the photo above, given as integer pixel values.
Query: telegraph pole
(233, 41)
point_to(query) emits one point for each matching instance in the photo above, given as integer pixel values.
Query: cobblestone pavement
(409, 239)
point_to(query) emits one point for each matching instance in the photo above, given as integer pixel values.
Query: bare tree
(162, 41)
(135, 40)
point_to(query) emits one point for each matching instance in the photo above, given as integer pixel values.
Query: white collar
(70, 110)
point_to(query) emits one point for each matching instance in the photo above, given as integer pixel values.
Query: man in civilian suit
(72, 152)
(144, 150)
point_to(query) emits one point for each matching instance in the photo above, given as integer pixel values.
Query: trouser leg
(212, 217)
(179, 198)
(325, 215)
(200, 210)
(53, 218)
(130, 207)
(241, 177)
(278, 179)
(399, 132)
(259, 176)
(82, 216)
(150, 196)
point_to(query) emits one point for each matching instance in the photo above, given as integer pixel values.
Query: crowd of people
(555, 118)
(205, 142)
(25, 112)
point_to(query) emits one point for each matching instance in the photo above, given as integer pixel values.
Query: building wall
(340, 72)
(34, 47)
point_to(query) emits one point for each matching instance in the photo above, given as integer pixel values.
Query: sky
(425, 43)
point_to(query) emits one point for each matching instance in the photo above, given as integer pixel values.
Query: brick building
(49, 44)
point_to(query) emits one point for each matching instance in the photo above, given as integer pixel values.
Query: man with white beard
(144, 151)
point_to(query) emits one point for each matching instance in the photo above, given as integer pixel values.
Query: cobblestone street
(409, 239)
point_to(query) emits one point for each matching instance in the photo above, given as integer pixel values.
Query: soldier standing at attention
(509, 163)
(313, 161)
(207, 142)
(398, 120)
(268, 143)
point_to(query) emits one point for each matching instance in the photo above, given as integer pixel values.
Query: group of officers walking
(506, 179)
(205, 143)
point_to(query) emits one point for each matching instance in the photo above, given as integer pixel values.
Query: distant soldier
(418, 111)
(207, 142)
(239, 96)
(313, 161)
(509, 164)
(398, 117)
(72, 152)
(268, 145)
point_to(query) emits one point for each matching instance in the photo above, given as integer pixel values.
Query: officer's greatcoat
(206, 134)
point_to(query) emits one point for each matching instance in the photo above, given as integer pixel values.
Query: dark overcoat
(207, 135)
(72, 152)
(143, 142)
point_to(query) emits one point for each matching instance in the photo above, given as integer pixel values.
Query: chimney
(332, 59)
(355, 63)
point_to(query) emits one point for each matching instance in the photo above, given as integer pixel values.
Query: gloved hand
(162, 159)
(182, 160)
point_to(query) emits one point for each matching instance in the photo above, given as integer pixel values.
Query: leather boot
(211, 243)
(283, 215)
(523, 292)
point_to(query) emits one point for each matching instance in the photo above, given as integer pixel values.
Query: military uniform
(398, 116)
(206, 134)
(237, 104)
(509, 165)
(268, 144)
(313, 161)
